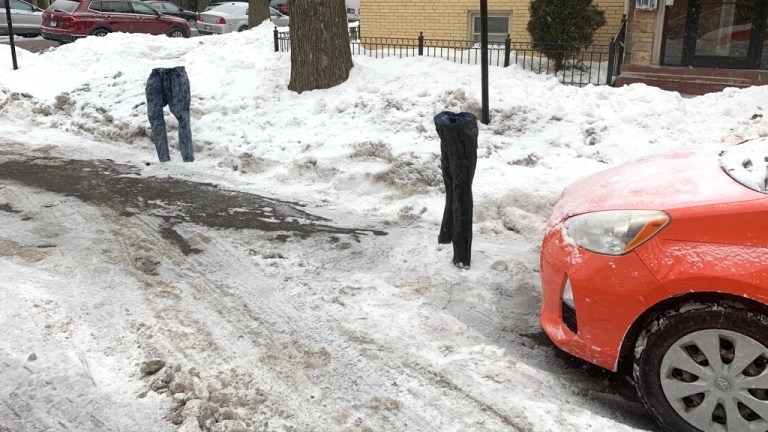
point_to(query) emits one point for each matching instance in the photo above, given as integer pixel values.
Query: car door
(118, 16)
(148, 20)
(26, 18)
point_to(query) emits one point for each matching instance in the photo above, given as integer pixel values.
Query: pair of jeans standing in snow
(169, 86)
(458, 158)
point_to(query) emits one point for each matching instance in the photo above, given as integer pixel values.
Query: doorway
(727, 34)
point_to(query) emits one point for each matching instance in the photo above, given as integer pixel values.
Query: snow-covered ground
(318, 333)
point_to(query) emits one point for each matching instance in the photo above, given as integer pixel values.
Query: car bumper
(609, 294)
(18, 30)
(59, 37)
(206, 28)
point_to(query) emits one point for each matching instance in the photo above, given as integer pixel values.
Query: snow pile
(267, 332)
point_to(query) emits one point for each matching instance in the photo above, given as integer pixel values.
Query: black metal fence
(595, 65)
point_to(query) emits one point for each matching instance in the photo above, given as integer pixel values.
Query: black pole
(10, 33)
(276, 37)
(485, 117)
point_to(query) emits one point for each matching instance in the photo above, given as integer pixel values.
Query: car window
(157, 5)
(64, 6)
(116, 7)
(19, 5)
(143, 9)
(231, 8)
(95, 6)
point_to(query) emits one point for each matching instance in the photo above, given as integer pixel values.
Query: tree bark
(320, 54)
(258, 12)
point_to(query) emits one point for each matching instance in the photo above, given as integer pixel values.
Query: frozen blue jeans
(169, 87)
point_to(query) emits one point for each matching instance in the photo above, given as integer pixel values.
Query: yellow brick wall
(639, 45)
(450, 19)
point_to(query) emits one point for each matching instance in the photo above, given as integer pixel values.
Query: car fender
(682, 267)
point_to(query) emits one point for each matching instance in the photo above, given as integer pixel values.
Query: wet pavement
(123, 189)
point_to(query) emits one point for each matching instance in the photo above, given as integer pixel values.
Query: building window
(498, 27)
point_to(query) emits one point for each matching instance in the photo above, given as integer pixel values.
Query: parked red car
(68, 20)
(662, 264)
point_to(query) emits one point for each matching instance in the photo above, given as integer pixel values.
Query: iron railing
(596, 65)
(616, 55)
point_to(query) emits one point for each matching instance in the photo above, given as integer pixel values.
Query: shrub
(560, 29)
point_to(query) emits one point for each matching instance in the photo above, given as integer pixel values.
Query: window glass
(20, 5)
(64, 6)
(232, 8)
(96, 6)
(143, 9)
(725, 28)
(764, 58)
(116, 7)
(674, 33)
(498, 28)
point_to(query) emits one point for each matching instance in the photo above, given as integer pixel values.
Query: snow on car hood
(747, 163)
(667, 181)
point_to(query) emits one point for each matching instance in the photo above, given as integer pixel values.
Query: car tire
(242, 28)
(192, 23)
(176, 32)
(696, 369)
(99, 32)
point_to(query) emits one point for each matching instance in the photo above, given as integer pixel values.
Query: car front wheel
(176, 33)
(704, 368)
(192, 23)
(242, 28)
(100, 32)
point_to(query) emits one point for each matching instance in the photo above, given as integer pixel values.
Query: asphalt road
(121, 188)
(39, 44)
(30, 44)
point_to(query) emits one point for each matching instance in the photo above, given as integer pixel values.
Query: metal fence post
(9, 21)
(611, 61)
(277, 43)
(421, 43)
(507, 50)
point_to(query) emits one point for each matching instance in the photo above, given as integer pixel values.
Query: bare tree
(320, 54)
(258, 11)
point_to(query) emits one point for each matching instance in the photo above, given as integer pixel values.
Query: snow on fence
(595, 65)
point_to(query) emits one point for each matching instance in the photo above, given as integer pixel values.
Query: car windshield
(63, 6)
(747, 163)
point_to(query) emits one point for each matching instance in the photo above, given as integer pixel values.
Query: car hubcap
(717, 380)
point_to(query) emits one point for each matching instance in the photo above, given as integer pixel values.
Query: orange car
(662, 263)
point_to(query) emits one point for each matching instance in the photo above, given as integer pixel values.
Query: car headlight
(615, 232)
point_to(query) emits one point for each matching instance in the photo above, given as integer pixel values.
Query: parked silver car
(27, 19)
(232, 16)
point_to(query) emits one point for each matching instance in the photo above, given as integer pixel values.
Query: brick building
(460, 19)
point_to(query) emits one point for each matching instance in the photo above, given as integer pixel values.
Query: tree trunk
(320, 54)
(258, 12)
(201, 5)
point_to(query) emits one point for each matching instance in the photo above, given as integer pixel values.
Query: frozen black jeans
(458, 158)
(169, 86)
